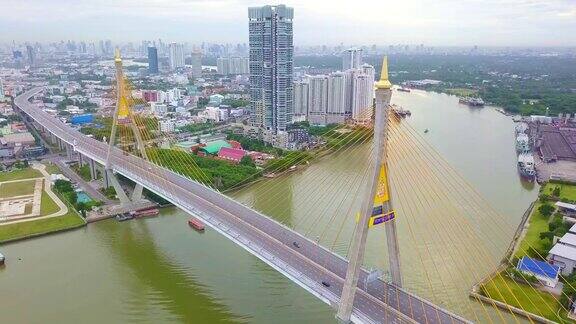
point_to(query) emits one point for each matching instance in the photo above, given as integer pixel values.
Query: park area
(28, 206)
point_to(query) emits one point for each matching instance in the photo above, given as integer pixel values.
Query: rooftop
(564, 251)
(566, 206)
(569, 239)
(231, 153)
(539, 268)
(24, 137)
(215, 146)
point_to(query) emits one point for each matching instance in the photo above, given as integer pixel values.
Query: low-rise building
(231, 154)
(563, 253)
(546, 273)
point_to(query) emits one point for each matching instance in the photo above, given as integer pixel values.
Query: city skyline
(446, 23)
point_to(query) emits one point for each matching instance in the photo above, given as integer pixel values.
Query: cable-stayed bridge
(300, 259)
(437, 205)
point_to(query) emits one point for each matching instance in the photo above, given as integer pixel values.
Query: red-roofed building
(235, 144)
(231, 154)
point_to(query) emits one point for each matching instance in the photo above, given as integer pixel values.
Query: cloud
(434, 22)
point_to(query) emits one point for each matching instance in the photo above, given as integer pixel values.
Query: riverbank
(534, 238)
(36, 211)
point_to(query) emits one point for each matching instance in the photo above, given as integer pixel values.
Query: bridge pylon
(377, 206)
(123, 115)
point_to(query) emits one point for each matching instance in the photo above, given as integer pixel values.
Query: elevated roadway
(305, 263)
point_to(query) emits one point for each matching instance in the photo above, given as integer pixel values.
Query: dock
(111, 211)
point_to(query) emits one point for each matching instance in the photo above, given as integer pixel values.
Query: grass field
(522, 296)
(13, 189)
(20, 174)
(40, 226)
(566, 191)
(47, 205)
(538, 224)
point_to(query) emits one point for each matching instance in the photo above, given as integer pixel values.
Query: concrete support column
(69, 151)
(105, 176)
(137, 193)
(379, 193)
(92, 167)
(119, 191)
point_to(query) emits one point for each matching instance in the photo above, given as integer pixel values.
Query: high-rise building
(336, 111)
(271, 66)
(1, 90)
(196, 64)
(318, 99)
(223, 65)
(362, 95)
(370, 72)
(31, 55)
(232, 65)
(152, 60)
(176, 56)
(301, 93)
(352, 59)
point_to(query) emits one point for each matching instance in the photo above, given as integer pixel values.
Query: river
(159, 270)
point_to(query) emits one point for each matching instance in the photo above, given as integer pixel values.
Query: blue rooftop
(536, 267)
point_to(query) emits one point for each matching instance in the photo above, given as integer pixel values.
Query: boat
(403, 89)
(526, 166)
(196, 224)
(270, 175)
(521, 128)
(522, 143)
(471, 101)
(2, 259)
(401, 112)
(502, 111)
(292, 168)
(124, 217)
(145, 213)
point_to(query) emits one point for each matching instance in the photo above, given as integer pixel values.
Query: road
(307, 265)
(72, 175)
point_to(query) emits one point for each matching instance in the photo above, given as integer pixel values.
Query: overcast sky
(383, 22)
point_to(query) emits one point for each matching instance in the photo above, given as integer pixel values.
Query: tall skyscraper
(271, 66)
(1, 90)
(176, 56)
(352, 59)
(152, 60)
(196, 63)
(31, 55)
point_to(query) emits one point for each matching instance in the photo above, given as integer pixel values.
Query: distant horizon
(332, 45)
(438, 23)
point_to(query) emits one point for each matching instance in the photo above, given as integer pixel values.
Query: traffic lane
(289, 256)
(259, 220)
(405, 304)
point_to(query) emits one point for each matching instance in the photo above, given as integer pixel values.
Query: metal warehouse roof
(214, 147)
(540, 268)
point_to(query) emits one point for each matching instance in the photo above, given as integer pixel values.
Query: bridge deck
(265, 238)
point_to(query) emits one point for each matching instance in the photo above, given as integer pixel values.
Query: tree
(247, 161)
(63, 186)
(547, 235)
(556, 191)
(546, 210)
